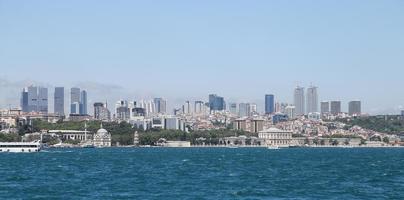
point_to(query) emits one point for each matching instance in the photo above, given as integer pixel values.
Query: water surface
(203, 173)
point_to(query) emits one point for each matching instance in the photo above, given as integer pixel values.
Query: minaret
(85, 131)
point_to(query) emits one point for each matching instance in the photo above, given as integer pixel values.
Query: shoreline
(244, 147)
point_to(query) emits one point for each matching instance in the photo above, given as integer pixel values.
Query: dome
(102, 131)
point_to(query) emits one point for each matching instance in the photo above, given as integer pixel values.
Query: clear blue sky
(238, 49)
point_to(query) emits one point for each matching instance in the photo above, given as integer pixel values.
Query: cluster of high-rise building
(126, 110)
(305, 103)
(326, 107)
(35, 99)
(193, 108)
(78, 101)
(334, 107)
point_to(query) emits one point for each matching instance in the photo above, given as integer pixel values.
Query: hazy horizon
(179, 50)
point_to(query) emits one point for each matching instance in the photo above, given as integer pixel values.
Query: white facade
(177, 144)
(102, 138)
(276, 137)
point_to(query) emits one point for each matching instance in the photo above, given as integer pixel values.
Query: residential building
(354, 108)
(325, 107)
(335, 107)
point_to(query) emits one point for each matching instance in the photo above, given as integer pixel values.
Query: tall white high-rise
(312, 99)
(186, 108)
(148, 106)
(290, 111)
(299, 101)
(243, 110)
(199, 107)
(233, 108)
(252, 109)
(160, 105)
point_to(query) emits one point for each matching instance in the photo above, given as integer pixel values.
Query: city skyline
(180, 99)
(30, 101)
(239, 50)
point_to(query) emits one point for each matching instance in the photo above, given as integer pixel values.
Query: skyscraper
(75, 101)
(24, 100)
(35, 99)
(269, 104)
(78, 101)
(290, 111)
(161, 105)
(43, 100)
(335, 107)
(252, 109)
(325, 107)
(59, 101)
(354, 108)
(148, 106)
(122, 110)
(242, 110)
(216, 103)
(32, 99)
(199, 106)
(233, 108)
(83, 103)
(299, 101)
(312, 99)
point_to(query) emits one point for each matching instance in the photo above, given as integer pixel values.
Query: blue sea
(203, 173)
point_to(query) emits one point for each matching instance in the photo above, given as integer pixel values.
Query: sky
(242, 50)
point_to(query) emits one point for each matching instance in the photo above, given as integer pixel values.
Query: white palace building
(276, 137)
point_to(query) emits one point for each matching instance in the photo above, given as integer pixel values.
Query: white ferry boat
(17, 147)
